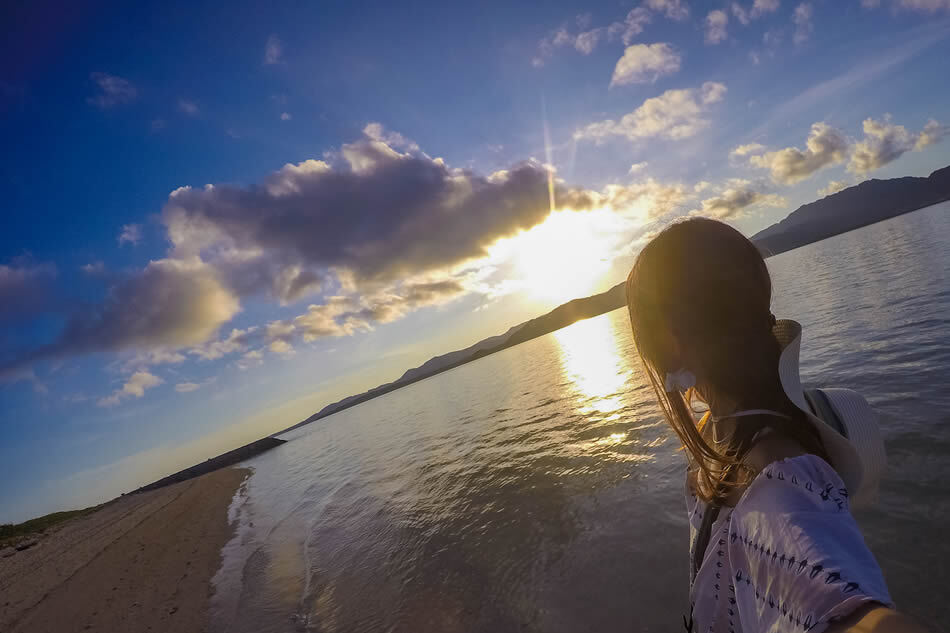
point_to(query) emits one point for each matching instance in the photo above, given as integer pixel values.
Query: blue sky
(218, 219)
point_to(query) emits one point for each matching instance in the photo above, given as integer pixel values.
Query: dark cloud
(380, 216)
(25, 289)
(169, 304)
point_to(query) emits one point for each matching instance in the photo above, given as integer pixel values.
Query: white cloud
(761, 7)
(675, 114)
(134, 387)
(285, 116)
(377, 132)
(645, 62)
(586, 42)
(187, 387)
(716, 23)
(253, 358)
(273, 50)
(131, 233)
(932, 133)
(885, 142)
(281, 348)
(803, 24)
(733, 201)
(673, 9)
(236, 341)
(825, 146)
(637, 167)
(113, 91)
(93, 268)
(833, 186)
(740, 13)
(188, 107)
(747, 149)
(924, 6)
(631, 26)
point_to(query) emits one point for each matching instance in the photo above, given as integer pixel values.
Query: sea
(539, 489)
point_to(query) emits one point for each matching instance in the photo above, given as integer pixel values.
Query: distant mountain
(854, 207)
(557, 318)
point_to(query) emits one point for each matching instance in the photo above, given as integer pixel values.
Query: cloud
(25, 288)
(188, 387)
(643, 63)
(131, 233)
(932, 133)
(740, 13)
(761, 7)
(584, 42)
(716, 23)
(285, 116)
(803, 24)
(673, 9)
(833, 186)
(631, 26)
(348, 315)
(587, 39)
(738, 196)
(825, 146)
(273, 50)
(885, 142)
(637, 167)
(376, 216)
(254, 358)
(236, 341)
(925, 6)
(187, 107)
(749, 148)
(376, 132)
(281, 348)
(134, 387)
(113, 91)
(169, 304)
(675, 114)
(370, 233)
(647, 200)
(93, 269)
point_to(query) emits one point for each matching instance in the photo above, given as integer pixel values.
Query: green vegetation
(11, 534)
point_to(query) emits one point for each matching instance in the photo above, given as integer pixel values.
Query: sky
(219, 218)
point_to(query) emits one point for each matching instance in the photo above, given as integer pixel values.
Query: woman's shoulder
(800, 482)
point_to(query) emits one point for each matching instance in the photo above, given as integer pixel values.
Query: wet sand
(141, 563)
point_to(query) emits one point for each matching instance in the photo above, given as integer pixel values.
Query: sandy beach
(141, 563)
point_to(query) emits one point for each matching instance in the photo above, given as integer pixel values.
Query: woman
(773, 543)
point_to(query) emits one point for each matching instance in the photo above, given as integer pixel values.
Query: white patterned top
(788, 557)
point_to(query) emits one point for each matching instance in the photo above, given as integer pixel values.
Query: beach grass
(11, 534)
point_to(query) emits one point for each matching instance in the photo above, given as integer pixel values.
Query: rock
(26, 545)
(7, 552)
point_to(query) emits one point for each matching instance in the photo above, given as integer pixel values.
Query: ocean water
(538, 489)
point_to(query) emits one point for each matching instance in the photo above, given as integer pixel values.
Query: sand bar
(141, 563)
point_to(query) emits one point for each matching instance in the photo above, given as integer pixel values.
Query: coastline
(143, 562)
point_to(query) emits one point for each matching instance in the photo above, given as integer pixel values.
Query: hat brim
(859, 470)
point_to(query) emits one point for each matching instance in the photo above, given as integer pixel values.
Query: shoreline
(141, 563)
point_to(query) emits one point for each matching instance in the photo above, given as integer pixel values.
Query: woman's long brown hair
(705, 284)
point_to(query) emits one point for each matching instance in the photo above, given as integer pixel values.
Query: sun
(562, 258)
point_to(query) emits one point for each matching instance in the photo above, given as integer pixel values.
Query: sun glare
(562, 258)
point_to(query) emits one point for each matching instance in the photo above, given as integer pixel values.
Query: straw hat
(856, 450)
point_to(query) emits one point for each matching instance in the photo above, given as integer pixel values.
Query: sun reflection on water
(592, 362)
